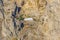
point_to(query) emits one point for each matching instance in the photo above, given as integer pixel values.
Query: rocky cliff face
(45, 24)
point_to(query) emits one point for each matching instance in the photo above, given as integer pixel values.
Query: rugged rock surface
(45, 26)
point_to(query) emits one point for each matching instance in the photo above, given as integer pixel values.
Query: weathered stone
(45, 24)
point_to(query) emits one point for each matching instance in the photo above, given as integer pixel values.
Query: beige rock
(45, 24)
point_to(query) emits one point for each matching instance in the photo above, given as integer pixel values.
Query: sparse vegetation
(20, 18)
(14, 39)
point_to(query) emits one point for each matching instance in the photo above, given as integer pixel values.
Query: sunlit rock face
(44, 26)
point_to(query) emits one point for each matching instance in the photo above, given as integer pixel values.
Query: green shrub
(20, 18)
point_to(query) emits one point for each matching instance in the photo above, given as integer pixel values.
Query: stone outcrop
(45, 24)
